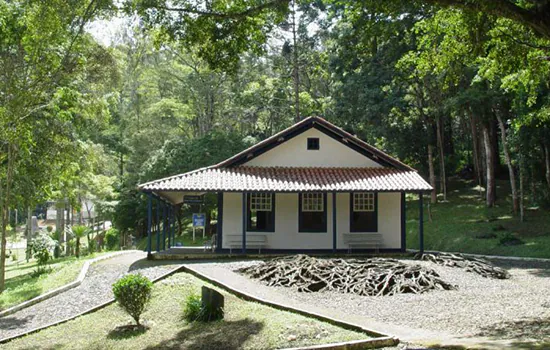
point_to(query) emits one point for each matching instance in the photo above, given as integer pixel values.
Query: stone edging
(90, 310)
(500, 257)
(64, 288)
(379, 339)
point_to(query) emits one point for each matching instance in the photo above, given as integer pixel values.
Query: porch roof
(290, 179)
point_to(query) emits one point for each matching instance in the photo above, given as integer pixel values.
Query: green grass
(458, 224)
(246, 325)
(22, 286)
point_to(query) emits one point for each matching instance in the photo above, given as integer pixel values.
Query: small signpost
(193, 199)
(199, 220)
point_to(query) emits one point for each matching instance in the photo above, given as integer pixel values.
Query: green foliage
(42, 246)
(133, 292)
(192, 310)
(112, 239)
(79, 231)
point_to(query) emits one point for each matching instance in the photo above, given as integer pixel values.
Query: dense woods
(453, 88)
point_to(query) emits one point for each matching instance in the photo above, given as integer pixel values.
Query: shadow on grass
(227, 335)
(127, 331)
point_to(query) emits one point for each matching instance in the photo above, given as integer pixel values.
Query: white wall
(294, 153)
(286, 235)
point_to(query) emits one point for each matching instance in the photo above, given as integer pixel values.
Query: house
(312, 187)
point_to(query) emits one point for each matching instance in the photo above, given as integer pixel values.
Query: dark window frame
(249, 216)
(313, 144)
(351, 212)
(324, 213)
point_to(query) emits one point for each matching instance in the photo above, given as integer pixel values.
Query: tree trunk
(295, 73)
(28, 253)
(521, 205)
(67, 223)
(547, 162)
(475, 147)
(511, 170)
(489, 155)
(4, 205)
(440, 141)
(433, 198)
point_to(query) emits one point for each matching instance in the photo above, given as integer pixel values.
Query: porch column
(421, 221)
(169, 225)
(159, 203)
(244, 223)
(334, 234)
(219, 226)
(164, 219)
(173, 233)
(403, 223)
(149, 215)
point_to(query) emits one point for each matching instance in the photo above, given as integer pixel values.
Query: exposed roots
(374, 277)
(470, 264)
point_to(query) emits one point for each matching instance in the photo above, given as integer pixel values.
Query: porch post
(149, 214)
(159, 203)
(403, 223)
(173, 233)
(164, 217)
(219, 226)
(169, 225)
(334, 234)
(421, 221)
(244, 223)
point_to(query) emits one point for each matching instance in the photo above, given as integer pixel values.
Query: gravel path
(94, 290)
(482, 308)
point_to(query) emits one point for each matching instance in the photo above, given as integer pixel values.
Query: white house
(310, 188)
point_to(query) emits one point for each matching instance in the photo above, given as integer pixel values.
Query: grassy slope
(457, 223)
(246, 326)
(21, 286)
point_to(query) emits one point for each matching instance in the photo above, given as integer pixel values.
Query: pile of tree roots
(470, 264)
(372, 277)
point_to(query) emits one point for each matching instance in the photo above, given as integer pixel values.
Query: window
(313, 143)
(313, 212)
(364, 212)
(261, 212)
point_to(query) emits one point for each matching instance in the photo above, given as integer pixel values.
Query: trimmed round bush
(133, 292)
(112, 238)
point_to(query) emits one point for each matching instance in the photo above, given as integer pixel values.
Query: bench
(363, 240)
(252, 241)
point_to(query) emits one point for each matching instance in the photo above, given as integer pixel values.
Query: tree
(79, 232)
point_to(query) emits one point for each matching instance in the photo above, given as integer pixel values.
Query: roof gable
(323, 126)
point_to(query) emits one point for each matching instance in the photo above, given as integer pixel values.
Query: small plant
(49, 228)
(133, 292)
(192, 310)
(79, 231)
(41, 247)
(205, 308)
(112, 238)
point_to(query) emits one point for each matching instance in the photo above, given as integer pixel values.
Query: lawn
(246, 325)
(465, 224)
(22, 286)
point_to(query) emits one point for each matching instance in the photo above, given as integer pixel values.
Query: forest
(456, 89)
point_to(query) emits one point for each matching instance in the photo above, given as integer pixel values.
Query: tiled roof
(291, 179)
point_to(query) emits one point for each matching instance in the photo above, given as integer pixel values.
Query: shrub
(41, 246)
(133, 292)
(112, 238)
(192, 310)
(197, 309)
(79, 231)
(509, 239)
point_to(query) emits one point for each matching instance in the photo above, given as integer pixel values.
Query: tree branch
(251, 11)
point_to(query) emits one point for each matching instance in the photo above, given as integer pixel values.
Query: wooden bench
(252, 241)
(363, 240)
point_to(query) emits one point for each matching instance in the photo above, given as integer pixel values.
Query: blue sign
(199, 220)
